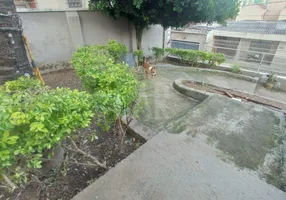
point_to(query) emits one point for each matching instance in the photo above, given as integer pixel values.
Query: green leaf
(5, 135)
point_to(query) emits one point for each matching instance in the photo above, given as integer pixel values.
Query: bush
(272, 78)
(215, 59)
(202, 55)
(192, 57)
(116, 49)
(21, 84)
(113, 85)
(35, 118)
(139, 53)
(235, 69)
(158, 52)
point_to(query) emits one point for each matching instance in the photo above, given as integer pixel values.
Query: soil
(65, 78)
(72, 176)
(236, 94)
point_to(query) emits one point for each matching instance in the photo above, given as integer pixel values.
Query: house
(270, 11)
(257, 39)
(193, 38)
(262, 42)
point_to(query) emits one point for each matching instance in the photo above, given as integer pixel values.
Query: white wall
(98, 29)
(48, 35)
(152, 37)
(54, 36)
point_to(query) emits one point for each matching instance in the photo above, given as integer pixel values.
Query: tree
(175, 13)
(13, 58)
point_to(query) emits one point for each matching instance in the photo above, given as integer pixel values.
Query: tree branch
(78, 150)
(9, 182)
(122, 135)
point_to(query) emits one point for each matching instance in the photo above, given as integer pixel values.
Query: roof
(203, 30)
(263, 27)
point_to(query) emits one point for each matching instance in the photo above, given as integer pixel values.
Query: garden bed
(72, 176)
(234, 94)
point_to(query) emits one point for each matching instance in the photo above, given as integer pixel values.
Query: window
(226, 45)
(75, 3)
(185, 45)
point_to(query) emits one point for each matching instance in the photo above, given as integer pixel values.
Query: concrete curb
(202, 95)
(140, 131)
(190, 92)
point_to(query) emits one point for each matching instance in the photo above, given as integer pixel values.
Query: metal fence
(256, 59)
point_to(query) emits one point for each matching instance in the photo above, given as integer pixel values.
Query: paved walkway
(174, 72)
(217, 149)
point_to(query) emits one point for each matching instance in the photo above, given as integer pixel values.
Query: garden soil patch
(72, 177)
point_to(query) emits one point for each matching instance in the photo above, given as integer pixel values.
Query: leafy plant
(35, 118)
(235, 69)
(139, 53)
(215, 59)
(22, 83)
(192, 57)
(202, 55)
(116, 49)
(113, 86)
(218, 58)
(158, 52)
(272, 78)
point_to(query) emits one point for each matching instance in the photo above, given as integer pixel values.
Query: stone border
(139, 131)
(191, 92)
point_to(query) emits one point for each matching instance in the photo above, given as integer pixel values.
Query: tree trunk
(139, 34)
(13, 57)
(164, 37)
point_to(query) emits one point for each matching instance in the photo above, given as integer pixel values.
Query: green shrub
(35, 118)
(219, 58)
(116, 49)
(139, 53)
(192, 57)
(113, 85)
(272, 78)
(202, 55)
(22, 83)
(158, 52)
(235, 69)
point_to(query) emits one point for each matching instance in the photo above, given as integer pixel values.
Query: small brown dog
(148, 68)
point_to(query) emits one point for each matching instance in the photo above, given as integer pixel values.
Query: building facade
(46, 5)
(268, 11)
(257, 39)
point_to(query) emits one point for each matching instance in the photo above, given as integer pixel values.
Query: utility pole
(13, 57)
